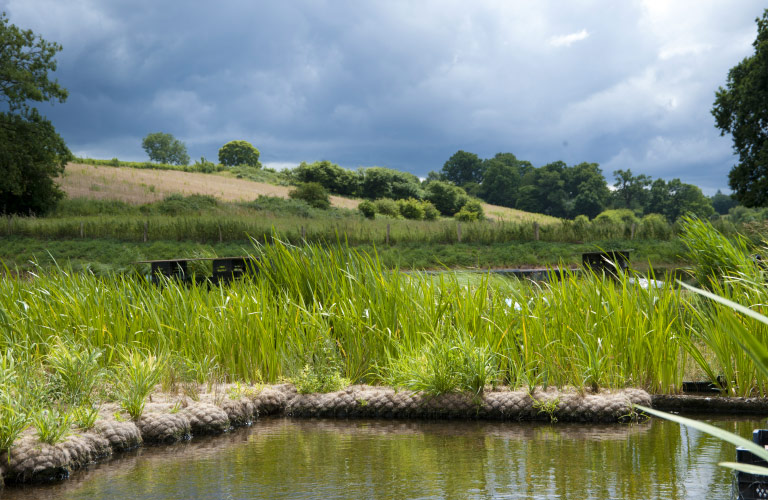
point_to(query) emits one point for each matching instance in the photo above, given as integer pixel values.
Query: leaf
(748, 468)
(711, 430)
(756, 350)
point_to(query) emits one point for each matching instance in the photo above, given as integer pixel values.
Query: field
(137, 186)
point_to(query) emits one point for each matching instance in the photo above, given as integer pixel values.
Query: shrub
(178, 204)
(322, 370)
(430, 212)
(367, 208)
(654, 227)
(236, 153)
(204, 166)
(476, 207)
(313, 193)
(465, 215)
(387, 206)
(331, 176)
(446, 197)
(411, 209)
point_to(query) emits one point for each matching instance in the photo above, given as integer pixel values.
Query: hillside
(137, 186)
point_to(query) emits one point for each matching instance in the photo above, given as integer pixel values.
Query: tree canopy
(25, 60)
(33, 154)
(235, 153)
(741, 109)
(463, 168)
(165, 148)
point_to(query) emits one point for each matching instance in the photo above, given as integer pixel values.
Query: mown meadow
(325, 316)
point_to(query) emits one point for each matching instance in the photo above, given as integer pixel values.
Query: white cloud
(568, 40)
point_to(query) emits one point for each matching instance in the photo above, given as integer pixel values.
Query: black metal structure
(752, 486)
(225, 269)
(606, 261)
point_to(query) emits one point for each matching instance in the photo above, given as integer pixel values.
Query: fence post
(387, 233)
(536, 231)
(82, 230)
(146, 230)
(220, 236)
(632, 231)
(458, 231)
(303, 234)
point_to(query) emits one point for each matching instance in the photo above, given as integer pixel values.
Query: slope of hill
(137, 186)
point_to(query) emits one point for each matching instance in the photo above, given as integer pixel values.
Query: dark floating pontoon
(224, 269)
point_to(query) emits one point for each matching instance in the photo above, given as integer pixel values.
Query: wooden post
(536, 231)
(220, 235)
(632, 231)
(146, 230)
(82, 230)
(387, 233)
(303, 234)
(458, 231)
(10, 225)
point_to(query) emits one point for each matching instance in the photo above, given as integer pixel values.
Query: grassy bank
(324, 317)
(107, 255)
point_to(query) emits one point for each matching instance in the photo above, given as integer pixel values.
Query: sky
(402, 84)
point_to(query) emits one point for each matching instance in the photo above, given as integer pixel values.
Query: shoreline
(170, 418)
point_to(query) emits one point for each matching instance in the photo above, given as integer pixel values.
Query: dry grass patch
(137, 186)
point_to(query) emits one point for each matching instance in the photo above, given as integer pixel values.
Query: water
(296, 459)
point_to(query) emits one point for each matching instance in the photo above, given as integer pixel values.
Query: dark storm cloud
(401, 84)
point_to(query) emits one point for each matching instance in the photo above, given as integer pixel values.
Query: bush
(367, 208)
(331, 176)
(411, 209)
(204, 166)
(177, 204)
(475, 207)
(236, 153)
(387, 206)
(430, 212)
(281, 206)
(465, 215)
(446, 197)
(654, 227)
(313, 193)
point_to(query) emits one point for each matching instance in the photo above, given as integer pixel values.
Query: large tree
(33, 154)
(463, 168)
(741, 109)
(630, 189)
(165, 148)
(235, 153)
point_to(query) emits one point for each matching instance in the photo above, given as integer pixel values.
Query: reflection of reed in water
(286, 458)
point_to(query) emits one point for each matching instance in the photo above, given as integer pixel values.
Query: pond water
(294, 459)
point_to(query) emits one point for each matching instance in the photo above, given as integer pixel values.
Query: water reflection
(284, 458)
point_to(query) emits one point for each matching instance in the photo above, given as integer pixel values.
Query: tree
(33, 154)
(164, 148)
(741, 109)
(463, 167)
(446, 197)
(587, 190)
(331, 176)
(630, 189)
(25, 61)
(235, 153)
(500, 183)
(722, 202)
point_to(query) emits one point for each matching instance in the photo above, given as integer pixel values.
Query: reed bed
(353, 229)
(327, 316)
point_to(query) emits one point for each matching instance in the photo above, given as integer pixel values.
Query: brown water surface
(300, 459)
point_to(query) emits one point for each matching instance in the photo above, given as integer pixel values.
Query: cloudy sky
(402, 84)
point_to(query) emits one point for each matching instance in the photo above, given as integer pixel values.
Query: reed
(315, 311)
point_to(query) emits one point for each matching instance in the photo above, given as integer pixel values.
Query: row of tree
(165, 148)
(567, 191)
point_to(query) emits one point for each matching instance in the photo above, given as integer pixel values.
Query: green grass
(108, 255)
(324, 316)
